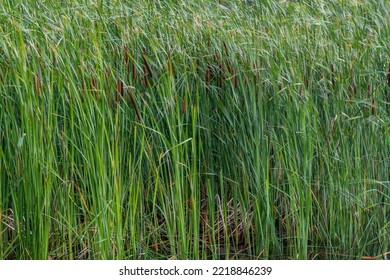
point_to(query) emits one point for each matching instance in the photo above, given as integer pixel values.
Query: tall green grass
(194, 129)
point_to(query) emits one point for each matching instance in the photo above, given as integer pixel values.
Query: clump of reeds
(156, 130)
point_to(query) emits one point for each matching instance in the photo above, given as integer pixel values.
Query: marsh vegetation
(194, 130)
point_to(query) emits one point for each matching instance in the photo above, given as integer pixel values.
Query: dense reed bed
(194, 129)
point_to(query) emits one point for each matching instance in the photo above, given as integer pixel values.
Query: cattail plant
(132, 99)
(170, 67)
(126, 54)
(37, 83)
(119, 90)
(146, 64)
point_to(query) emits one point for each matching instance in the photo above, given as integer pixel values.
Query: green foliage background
(194, 129)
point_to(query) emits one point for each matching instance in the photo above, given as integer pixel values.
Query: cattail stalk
(146, 64)
(119, 90)
(93, 84)
(225, 48)
(37, 83)
(126, 55)
(146, 81)
(132, 99)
